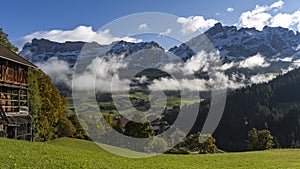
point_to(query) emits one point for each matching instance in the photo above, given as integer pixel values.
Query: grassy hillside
(73, 153)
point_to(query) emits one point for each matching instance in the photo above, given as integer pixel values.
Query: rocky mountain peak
(127, 48)
(242, 43)
(40, 50)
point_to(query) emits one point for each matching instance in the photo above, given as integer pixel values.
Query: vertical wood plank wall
(14, 98)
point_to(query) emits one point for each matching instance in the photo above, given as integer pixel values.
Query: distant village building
(15, 120)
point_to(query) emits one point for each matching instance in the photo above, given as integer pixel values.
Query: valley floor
(73, 153)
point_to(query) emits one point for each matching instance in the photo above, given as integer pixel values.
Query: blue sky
(20, 18)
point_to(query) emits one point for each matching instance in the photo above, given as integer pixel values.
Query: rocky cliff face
(40, 50)
(236, 44)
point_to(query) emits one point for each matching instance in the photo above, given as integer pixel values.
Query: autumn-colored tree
(80, 132)
(65, 128)
(5, 42)
(47, 108)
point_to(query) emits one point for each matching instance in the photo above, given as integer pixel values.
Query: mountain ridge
(231, 42)
(242, 43)
(41, 50)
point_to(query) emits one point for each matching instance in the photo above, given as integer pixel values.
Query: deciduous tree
(259, 140)
(5, 42)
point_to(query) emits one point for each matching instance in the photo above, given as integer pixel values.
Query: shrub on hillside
(177, 151)
(259, 140)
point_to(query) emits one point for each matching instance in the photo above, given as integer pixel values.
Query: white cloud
(283, 20)
(227, 66)
(261, 78)
(203, 62)
(229, 9)
(287, 59)
(277, 4)
(254, 61)
(217, 81)
(256, 18)
(167, 32)
(81, 33)
(142, 79)
(199, 62)
(179, 84)
(220, 81)
(164, 84)
(296, 63)
(293, 66)
(143, 27)
(58, 70)
(102, 72)
(261, 16)
(195, 23)
(99, 73)
(286, 20)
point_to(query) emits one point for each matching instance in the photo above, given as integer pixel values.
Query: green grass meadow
(73, 153)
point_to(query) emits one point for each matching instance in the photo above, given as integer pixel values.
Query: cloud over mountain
(80, 33)
(195, 23)
(254, 61)
(262, 16)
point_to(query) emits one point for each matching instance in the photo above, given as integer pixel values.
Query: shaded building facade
(15, 119)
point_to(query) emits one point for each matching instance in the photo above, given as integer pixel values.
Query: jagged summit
(241, 43)
(127, 48)
(40, 50)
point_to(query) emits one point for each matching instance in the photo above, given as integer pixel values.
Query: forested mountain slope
(274, 106)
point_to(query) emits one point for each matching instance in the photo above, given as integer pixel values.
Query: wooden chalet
(15, 120)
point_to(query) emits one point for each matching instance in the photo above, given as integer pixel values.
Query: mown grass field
(73, 153)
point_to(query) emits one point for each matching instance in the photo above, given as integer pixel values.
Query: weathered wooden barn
(15, 120)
